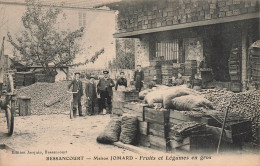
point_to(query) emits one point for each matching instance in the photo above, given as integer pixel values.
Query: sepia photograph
(129, 82)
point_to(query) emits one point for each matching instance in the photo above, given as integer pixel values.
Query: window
(82, 19)
(168, 49)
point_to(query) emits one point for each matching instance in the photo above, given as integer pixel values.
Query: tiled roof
(68, 3)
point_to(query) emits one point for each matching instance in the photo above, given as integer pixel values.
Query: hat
(122, 72)
(92, 76)
(77, 73)
(105, 72)
(138, 65)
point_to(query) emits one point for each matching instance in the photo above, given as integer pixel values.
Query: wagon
(7, 96)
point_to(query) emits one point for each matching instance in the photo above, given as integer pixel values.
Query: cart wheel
(10, 110)
(71, 110)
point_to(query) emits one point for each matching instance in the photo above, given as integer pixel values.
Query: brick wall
(138, 16)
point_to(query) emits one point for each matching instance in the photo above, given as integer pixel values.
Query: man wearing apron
(121, 83)
(139, 78)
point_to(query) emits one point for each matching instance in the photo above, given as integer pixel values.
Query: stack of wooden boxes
(24, 79)
(155, 70)
(167, 73)
(255, 65)
(155, 128)
(138, 16)
(119, 99)
(190, 67)
(235, 70)
(157, 120)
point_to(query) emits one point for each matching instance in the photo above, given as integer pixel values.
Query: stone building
(184, 30)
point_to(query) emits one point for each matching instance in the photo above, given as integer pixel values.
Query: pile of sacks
(178, 98)
(122, 129)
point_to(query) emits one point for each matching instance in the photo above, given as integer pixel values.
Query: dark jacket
(90, 90)
(121, 81)
(104, 85)
(76, 86)
(138, 78)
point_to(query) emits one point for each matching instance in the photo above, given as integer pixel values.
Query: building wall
(99, 27)
(138, 16)
(142, 52)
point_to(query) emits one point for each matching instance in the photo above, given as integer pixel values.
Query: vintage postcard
(129, 82)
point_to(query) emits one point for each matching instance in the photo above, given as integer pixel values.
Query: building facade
(186, 30)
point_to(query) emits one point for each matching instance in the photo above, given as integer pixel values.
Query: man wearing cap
(91, 95)
(104, 87)
(139, 78)
(121, 83)
(76, 87)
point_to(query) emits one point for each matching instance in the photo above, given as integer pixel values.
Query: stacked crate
(155, 70)
(119, 99)
(157, 120)
(24, 79)
(29, 78)
(146, 71)
(190, 67)
(167, 73)
(166, 13)
(175, 69)
(255, 65)
(235, 70)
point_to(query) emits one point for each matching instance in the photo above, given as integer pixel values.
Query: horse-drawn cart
(7, 97)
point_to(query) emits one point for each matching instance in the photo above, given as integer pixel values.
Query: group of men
(104, 88)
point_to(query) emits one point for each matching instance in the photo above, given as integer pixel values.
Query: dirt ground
(58, 132)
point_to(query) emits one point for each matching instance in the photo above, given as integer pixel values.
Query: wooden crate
(125, 95)
(185, 116)
(118, 104)
(156, 116)
(235, 86)
(159, 143)
(159, 130)
(194, 143)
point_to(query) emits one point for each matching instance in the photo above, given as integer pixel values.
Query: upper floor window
(82, 19)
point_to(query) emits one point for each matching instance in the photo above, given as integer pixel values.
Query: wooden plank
(215, 131)
(187, 25)
(156, 116)
(158, 143)
(175, 121)
(181, 115)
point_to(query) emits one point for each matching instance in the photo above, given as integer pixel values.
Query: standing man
(91, 95)
(139, 78)
(104, 87)
(76, 87)
(121, 83)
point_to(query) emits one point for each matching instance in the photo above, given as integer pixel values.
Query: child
(179, 80)
(91, 95)
(153, 82)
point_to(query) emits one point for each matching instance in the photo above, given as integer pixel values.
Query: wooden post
(24, 106)
(244, 55)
